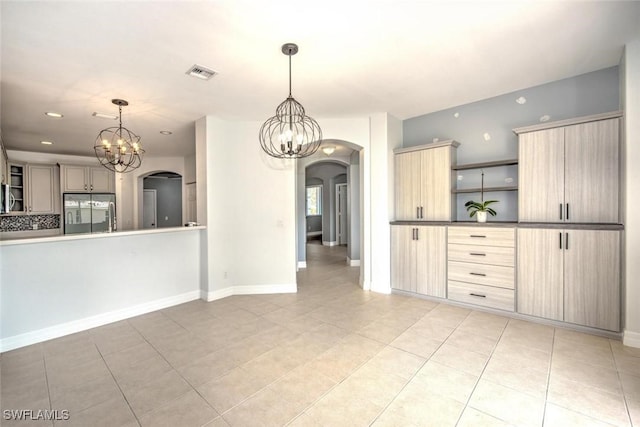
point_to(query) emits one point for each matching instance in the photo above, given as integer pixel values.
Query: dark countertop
(513, 224)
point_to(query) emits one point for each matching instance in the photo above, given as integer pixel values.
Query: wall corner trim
(353, 262)
(325, 243)
(631, 339)
(79, 325)
(302, 264)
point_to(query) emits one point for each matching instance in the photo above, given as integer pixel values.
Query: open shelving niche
(510, 204)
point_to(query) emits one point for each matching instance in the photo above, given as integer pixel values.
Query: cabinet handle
(566, 241)
(478, 274)
(417, 212)
(417, 234)
(561, 212)
(477, 235)
(421, 212)
(85, 186)
(91, 188)
(477, 254)
(477, 295)
(560, 240)
(567, 212)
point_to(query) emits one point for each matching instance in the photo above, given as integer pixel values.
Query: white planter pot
(481, 216)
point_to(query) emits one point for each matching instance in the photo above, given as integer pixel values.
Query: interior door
(341, 214)
(149, 209)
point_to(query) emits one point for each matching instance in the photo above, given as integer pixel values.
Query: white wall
(632, 221)
(65, 285)
(250, 212)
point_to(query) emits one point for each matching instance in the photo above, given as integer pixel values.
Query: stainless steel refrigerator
(89, 213)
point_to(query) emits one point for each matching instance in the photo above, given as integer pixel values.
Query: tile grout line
(624, 395)
(546, 392)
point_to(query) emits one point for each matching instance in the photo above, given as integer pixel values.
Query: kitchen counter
(562, 226)
(26, 239)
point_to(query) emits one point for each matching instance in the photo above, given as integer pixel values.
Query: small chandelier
(117, 148)
(290, 134)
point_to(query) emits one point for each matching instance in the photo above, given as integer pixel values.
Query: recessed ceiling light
(46, 142)
(166, 132)
(54, 115)
(200, 72)
(104, 116)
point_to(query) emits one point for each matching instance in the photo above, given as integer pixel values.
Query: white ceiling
(404, 57)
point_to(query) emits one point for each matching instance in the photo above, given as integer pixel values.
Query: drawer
(492, 275)
(482, 236)
(486, 296)
(495, 255)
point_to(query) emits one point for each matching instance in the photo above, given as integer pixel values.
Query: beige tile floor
(330, 355)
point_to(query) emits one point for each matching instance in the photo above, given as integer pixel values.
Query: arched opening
(161, 202)
(337, 176)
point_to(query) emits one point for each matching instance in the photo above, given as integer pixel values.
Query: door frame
(155, 206)
(342, 238)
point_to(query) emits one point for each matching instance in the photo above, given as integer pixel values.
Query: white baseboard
(353, 262)
(302, 264)
(291, 288)
(314, 233)
(631, 339)
(329, 243)
(79, 325)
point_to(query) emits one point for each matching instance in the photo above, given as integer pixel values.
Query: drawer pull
(477, 295)
(478, 274)
(477, 254)
(477, 235)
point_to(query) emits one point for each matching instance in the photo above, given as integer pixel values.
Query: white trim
(290, 288)
(314, 233)
(79, 325)
(334, 243)
(353, 262)
(631, 338)
(302, 264)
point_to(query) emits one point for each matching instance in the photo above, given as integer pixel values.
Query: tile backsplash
(26, 222)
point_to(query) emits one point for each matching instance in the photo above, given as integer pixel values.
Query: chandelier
(117, 148)
(290, 134)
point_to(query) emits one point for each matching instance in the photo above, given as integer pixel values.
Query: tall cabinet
(569, 174)
(423, 182)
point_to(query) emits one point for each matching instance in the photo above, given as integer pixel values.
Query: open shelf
(492, 164)
(487, 189)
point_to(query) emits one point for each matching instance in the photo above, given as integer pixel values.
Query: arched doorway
(162, 200)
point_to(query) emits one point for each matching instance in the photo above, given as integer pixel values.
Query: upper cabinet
(33, 188)
(423, 182)
(86, 179)
(569, 171)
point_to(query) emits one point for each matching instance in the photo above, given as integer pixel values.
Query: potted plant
(480, 209)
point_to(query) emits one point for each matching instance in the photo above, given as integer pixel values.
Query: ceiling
(404, 57)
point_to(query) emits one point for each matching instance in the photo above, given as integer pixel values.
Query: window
(314, 200)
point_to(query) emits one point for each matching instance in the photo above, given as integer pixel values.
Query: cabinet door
(40, 189)
(74, 179)
(431, 261)
(101, 180)
(591, 171)
(403, 249)
(540, 273)
(541, 176)
(436, 184)
(407, 185)
(592, 279)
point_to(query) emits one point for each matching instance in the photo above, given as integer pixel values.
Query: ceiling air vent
(201, 72)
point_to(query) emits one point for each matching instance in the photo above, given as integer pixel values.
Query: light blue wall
(590, 93)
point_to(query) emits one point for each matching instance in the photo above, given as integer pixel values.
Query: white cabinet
(570, 275)
(89, 179)
(481, 266)
(419, 259)
(570, 173)
(423, 182)
(41, 189)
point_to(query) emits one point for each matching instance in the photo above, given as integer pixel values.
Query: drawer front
(482, 236)
(486, 296)
(492, 275)
(495, 255)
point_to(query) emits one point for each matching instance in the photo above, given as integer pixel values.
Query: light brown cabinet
(86, 179)
(40, 189)
(423, 182)
(419, 259)
(481, 266)
(570, 275)
(570, 173)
